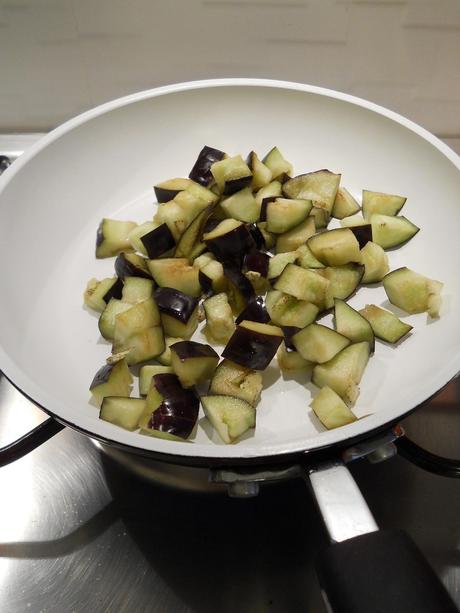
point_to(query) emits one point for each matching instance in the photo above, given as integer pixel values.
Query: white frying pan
(104, 163)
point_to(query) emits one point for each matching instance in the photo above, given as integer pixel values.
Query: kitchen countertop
(79, 533)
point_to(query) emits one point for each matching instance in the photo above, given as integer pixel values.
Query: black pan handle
(446, 467)
(29, 441)
(380, 572)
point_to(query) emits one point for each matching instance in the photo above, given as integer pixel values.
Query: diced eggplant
(353, 221)
(231, 379)
(212, 279)
(170, 409)
(121, 411)
(319, 344)
(254, 311)
(363, 234)
(176, 273)
(343, 280)
(141, 346)
(385, 204)
(289, 332)
(261, 174)
(259, 283)
(385, 324)
(344, 204)
(331, 410)
(137, 289)
(277, 164)
(320, 186)
(113, 237)
(335, 247)
(257, 261)
(106, 321)
(167, 190)
(111, 380)
(137, 232)
(157, 242)
(193, 362)
(253, 344)
(305, 285)
(219, 319)
(146, 373)
(279, 262)
(321, 217)
(131, 265)
(306, 259)
(241, 205)
(291, 361)
(179, 312)
(389, 231)
(229, 242)
(165, 357)
(239, 289)
(296, 237)
(179, 213)
(283, 214)
(285, 310)
(343, 373)
(269, 237)
(352, 324)
(190, 244)
(98, 293)
(257, 236)
(231, 417)
(272, 190)
(231, 175)
(375, 262)
(201, 171)
(136, 318)
(413, 292)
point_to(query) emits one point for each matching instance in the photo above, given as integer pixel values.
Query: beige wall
(60, 57)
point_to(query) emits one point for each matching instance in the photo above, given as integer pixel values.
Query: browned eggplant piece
(253, 344)
(190, 244)
(111, 380)
(175, 303)
(363, 234)
(167, 190)
(257, 236)
(231, 174)
(99, 293)
(193, 362)
(254, 311)
(229, 242)
(289, 332)
(256, 261)
(240, 290)
(171, 411)
(113, 237)
(131, 265)
(201, 171)
(158, 241)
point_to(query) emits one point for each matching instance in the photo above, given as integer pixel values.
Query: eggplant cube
(111, 380)
(193, 362)
(253, 344)
(331, 410)
(113, 237)
(121, 411)
(179, 312)
(413, 292)
(231, 417)
(231, 379)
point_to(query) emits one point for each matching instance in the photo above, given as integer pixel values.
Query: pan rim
(214, 452)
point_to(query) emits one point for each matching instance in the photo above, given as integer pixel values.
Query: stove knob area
(4, 163)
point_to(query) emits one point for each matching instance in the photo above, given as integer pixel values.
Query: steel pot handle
(367, 570)
(29, 441)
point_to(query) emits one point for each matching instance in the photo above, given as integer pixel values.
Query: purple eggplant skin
(263, 207)
(178, 412)
(257, 261)
(230, 248)
(165, 195)
(210, 224)
(201, 171)
(205, 283)
(190, 349)
(363, 234)
(257, 235)
(175, 303)
(232, 186)
(289, 332)
(251, 349)
(240, 282)
(125, 268)
(158, 241)
(254, 311)
(114, 292)
(102, 375)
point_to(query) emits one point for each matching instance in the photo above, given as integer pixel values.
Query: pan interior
(105, 164)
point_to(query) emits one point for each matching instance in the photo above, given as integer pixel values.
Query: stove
(79, 532)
